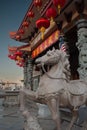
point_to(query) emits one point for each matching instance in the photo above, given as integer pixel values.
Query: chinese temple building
(47, 24)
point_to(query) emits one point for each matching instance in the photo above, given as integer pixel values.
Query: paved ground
(11, 119)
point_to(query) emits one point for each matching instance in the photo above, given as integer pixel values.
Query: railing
(10, 98)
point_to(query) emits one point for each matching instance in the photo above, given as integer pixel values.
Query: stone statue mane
(53, 57)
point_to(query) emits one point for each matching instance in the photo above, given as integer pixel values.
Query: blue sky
(12, 13)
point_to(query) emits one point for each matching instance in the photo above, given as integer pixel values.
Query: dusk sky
(12, 13)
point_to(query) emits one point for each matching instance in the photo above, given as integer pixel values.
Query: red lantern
(21, 65)
(59, 3)
(18, 37)
(38, 3)
(22, 60)
(18, 53)
(42, 24)
(51, 13)
(21, 31)
(30, 14)
(12, 56)
(9, 55)
(25, 24)
(17, 63)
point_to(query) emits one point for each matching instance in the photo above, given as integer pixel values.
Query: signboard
(47, 43)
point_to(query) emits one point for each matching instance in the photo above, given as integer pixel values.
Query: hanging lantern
(21, 31)
(42, 24)
(21, 64)
(38, 3)
(12, 56)
(18, 58)
(59, 3)
(30, 14)
(25, 24)
(18, 37)
(9, 55)
(18, 53)
(22, 60)
(51, 13)
(17, 63)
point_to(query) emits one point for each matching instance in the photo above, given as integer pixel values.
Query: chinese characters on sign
(47, 43)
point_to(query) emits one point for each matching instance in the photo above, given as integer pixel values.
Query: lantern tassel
(59, 8)
(51, 21)
(42, 31)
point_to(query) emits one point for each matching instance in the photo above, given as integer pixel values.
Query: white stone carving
(82, 46)
(55, 88)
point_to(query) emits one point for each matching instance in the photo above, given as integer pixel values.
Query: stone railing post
(82, 47)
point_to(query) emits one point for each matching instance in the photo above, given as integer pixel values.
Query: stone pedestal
(82, 47)
(31, 122)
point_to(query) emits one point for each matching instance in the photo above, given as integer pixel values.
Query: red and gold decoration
(38, 3)
(12, 56)
(19, 61)
(30, 14)
(25, 24)
(16, 55)
(42, 24)
(21, 31)
(51, 13)
(59, 4)
(47, 43)
(12, 34)
(12, 49)
(20, 64)
(18, 37)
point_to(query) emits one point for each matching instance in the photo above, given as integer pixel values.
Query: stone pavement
(11, 119)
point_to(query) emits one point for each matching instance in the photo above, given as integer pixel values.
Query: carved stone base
(31, 122)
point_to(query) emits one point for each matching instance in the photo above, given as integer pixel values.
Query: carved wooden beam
(32, 34)
(36, 30)
(59, 24)
(68, 16)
